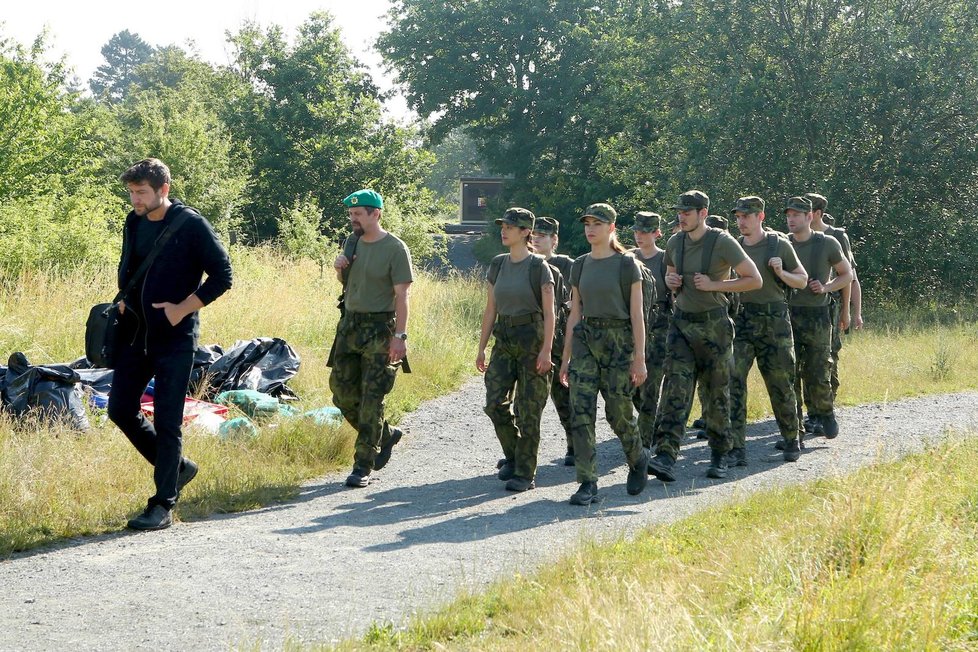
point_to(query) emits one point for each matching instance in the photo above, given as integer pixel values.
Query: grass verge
(886, 558)
(56, 484)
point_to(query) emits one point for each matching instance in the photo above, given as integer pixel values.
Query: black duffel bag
(103, 319)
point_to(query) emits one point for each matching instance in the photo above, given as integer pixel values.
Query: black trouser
(159, 442)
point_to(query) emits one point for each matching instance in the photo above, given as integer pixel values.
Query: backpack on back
(625, 280)
(772, 252)
(561, 292)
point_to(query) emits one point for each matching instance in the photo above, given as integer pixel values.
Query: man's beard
(357, 229)
(150, 209)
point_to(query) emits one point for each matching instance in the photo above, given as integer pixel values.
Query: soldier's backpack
(772, 252)
(625, 280)
(349, 251)
(818, 245)
(561, 292)
(709, 243)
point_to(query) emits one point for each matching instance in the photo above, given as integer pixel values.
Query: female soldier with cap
(520, 314)
(604, 350)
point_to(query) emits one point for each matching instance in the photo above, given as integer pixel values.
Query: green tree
(123, 55)
(313, 119)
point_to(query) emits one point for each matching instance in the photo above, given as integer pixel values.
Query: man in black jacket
(160, 327)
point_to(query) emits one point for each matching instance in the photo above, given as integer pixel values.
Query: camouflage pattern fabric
(561, 397)
(812, 331)
(601, 356)
(763, 334)
(835, 309)
(699, 347)
(516, 394)
(646, 399)
(360, 379)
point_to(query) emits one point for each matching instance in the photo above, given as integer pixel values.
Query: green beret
(366, 197)
(800, 204)
(646, 221)
(547, 226)
(603, 212)
(750, 204)
(519, 217)
(693, 200)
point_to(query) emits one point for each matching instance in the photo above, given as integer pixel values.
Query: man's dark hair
(151, 170)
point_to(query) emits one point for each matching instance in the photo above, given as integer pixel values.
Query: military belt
(519, 320)
(773, 308)
(809, 310)
(707, 315)
(606, 322)
(362, 317)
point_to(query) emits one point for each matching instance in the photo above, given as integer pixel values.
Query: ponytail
(615, 245)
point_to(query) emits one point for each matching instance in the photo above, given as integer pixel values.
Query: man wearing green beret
(762, 330)
(698, 265)
(811, 319)
(647, 229)
(371, 338)
(850, 300)
(546, 235)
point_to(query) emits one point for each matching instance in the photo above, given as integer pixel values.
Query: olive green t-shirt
(844, 242)
(563, 264)
(771, 291)
(657, 266)
(512, 291)
(376, 269)
(727, 253)
(600, 286)
(821, 269)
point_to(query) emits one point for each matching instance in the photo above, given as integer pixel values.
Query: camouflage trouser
(836, 309)
(512, 370)
(647, 396)
(601, 357)
(812, 330)
(763, 332)
(560, 394)
(699, 347)
(362, 376)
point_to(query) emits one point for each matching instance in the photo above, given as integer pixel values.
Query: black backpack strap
(708, 245)
(818, 247)
(772, 246)
(680, 253)
(576, 270)
(536, 278)
(161, 241)
(494, 266)
(349, 252)
(625, 279)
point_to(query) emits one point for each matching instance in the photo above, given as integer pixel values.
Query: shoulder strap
(772, 246)
(817, 247)
(708, 245)
(349, 252)
(681, 252)
(494, 265)
(576, 269)
(161, 241)
(536, 278)
(625, 278)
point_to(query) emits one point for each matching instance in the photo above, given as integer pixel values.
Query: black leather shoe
(156, 517)
(699, 424)
(661, 466)
(507, 470)
(384, 456)
(830, 426)
(516, 483)
(358, 477)
(187, 473)
(718, 465)
(586, 494)
(638, 475)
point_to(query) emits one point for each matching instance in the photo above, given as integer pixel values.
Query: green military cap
(819, 202)
(517, 216)
(749, 204)
(365, 197)
(828, 219)
(798, 204)
(603, 212)
(547, 225)
(692, 200)
(646, 221)
(717, 222)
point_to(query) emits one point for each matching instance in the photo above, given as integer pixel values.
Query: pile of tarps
(58, 391)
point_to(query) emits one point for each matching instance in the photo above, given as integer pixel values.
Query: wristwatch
(401, 336)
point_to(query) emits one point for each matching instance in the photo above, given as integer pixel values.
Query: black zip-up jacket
(176, 273)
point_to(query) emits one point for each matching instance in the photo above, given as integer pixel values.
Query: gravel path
(435, 521)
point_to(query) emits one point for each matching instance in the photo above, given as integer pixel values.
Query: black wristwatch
(401, 336)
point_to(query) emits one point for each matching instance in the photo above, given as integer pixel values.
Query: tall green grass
(55, 483)
(885, 559)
